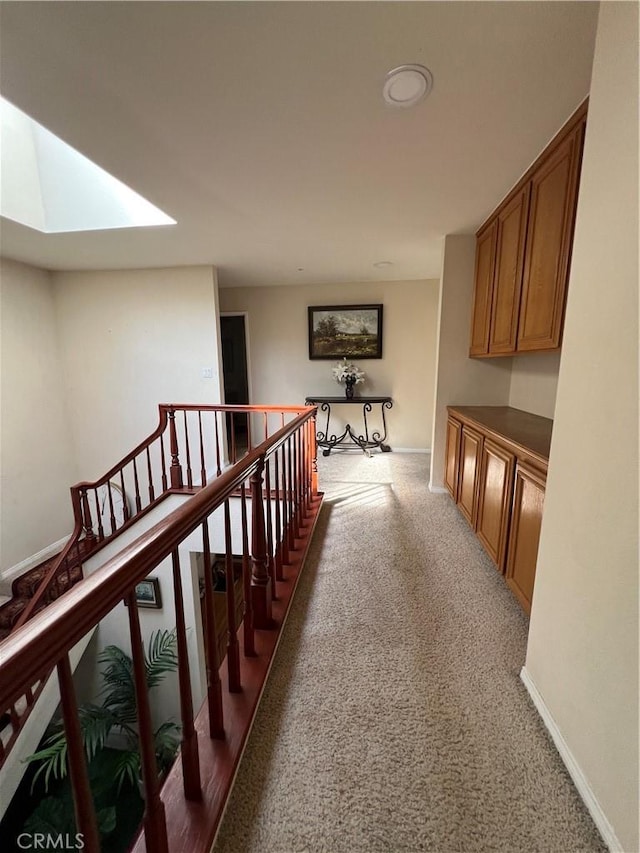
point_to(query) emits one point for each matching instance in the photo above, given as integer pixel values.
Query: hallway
(394, 718)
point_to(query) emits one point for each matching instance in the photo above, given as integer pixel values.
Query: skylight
(48, 185)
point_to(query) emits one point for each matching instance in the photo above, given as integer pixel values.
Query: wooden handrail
(39, 645)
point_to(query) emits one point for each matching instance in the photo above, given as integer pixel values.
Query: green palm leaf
(161, 656)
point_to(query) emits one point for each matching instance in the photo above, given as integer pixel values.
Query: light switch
(207, 372)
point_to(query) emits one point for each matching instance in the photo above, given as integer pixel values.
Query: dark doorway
(236, 386)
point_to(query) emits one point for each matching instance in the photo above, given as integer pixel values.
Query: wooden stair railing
(143, 478)
(276, 484)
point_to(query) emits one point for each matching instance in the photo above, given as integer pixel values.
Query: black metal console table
(328, 441)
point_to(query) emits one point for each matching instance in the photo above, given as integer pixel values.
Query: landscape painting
(345, 331)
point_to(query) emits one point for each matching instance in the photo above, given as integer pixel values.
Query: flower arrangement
(345, 370)
(348, 373)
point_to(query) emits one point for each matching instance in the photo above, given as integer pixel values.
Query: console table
(329, 440)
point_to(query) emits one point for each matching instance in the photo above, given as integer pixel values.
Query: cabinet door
(507, 280)
(452, 457)
(554, 192)
(524, 536)
(494, 500)
(470, 450)
(482, 292)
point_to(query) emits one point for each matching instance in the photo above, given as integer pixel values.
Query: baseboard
(9, 575)
(575, 771)
(411, 449)
(438, 490)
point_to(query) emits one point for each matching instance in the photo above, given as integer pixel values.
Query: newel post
(260, 581)
(87, 523)
(176, 468)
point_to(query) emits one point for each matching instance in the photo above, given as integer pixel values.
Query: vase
(349, 383)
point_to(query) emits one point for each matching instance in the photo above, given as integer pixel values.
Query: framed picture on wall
(148, 594)
(345, 331)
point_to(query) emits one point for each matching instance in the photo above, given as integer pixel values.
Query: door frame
(244, 314)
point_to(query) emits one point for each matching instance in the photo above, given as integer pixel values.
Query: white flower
(345, 368)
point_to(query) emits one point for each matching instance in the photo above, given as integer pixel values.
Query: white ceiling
(261, 128)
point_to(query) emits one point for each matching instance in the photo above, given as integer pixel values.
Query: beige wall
(461, 379)
(534, 382)
(583, 642)
(131, 339)
(37, 458)
(280, 369)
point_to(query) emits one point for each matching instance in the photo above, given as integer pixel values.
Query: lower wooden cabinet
(470, 453)
(495, 469)
(526, 521)
(494, 500)
(452, 454)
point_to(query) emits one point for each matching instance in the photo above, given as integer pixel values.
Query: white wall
(534, 382)
(583, 642)
(132, 339)
(460, 379)
(281, 371)
(37, 456)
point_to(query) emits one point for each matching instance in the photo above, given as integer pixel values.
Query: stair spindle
(82, 798)
(203, 467)
(189, 743)
(154, 821)
(270, 561)
(260, 582)
(214, 688)
(249, 635)
(278, 511)
(136, 485)
(233, 651)
(188, 451)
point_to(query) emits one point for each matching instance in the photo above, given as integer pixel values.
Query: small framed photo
(345, 331)
(148, 594)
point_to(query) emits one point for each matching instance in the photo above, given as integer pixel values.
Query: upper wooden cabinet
(485, 265)
(523, 253)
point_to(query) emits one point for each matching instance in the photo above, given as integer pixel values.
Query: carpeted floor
(394, 719)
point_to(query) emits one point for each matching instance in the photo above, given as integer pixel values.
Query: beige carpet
(394, 718)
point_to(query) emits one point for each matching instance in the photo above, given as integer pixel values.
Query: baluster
(232, 423)
(112, 515)
(163, 463)
(303, 473)
(295, 519)
(278, 507)
(281, 419)
(154, 821)
(249, 636)
(270, 561)
(189, 743)
(266, 425)
(125, 508)
(152, 496)
(314, 457)
(214, 689)
(286, 521)
(260, 581)
(176, 469)
(188, 452)
(305, 467)
(291, 544)
(249, 438)
(136, 485)
(86, 520)
(98, 515)
(215, 421)
(233, 651)
(28, 695)
(203, 467)
(82, 800)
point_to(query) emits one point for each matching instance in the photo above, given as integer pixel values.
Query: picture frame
(345, 331)
(147, 594)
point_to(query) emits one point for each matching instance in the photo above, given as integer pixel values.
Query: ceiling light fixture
(407, 85)
(383, 264)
